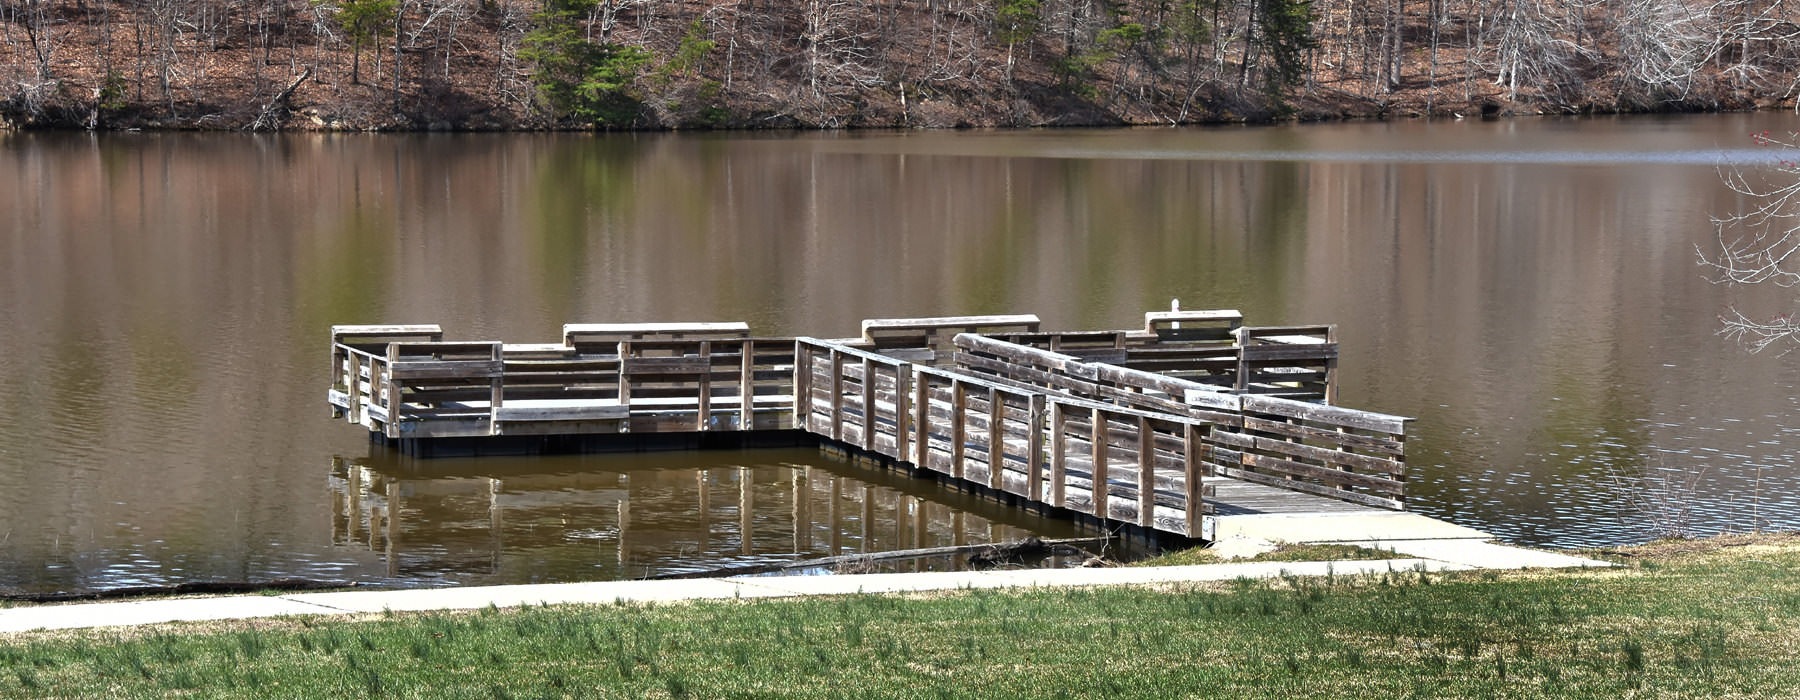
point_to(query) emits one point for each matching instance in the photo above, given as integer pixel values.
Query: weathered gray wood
(518, 414)
(996, 434)
(1025, 322)
(1059, 442)
(837, 394)
(1346, 417)
(1097, 441)
(958, 426)
(1323, 475)
(1146, 472)
(1314, 489)
(1383, 444)
(868, 401)
(384, 334)
(1352, 460)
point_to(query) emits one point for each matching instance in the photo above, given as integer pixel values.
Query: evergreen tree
(578, 77)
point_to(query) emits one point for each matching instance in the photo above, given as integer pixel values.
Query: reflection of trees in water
(586, 525)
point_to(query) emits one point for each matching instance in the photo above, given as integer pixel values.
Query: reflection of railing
(684, 516)
(405, 382)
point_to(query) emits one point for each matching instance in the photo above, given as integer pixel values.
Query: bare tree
(1529, 49)
(1761, 244)
(1661, 45)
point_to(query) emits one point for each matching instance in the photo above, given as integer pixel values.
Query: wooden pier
(1164, 427)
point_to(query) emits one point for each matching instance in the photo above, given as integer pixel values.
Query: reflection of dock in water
(622, 518)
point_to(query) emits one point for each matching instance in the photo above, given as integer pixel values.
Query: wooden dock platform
(1192, 417)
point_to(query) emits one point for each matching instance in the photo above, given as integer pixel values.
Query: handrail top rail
(338, 330)
(657, 327)
(948, 322)
(1154, 317)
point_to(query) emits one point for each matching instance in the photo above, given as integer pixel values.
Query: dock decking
(1192, 417)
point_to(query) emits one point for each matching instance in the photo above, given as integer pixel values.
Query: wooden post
(1034, 455)
(496, 391)
(803, 376)
(922, 421)
(1146, 473)
(868, 404)
(903, 412)
(837, 394)
(747, 385)
(996, 439)
(355, 414)
(381, 386)
(1097, 432)
(1192, 466)
(959, 405)
(703, 404)
(1059, 443)
(624, 351)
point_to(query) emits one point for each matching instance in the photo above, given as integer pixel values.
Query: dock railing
(1104, 460)
(1074, 420)
(1340, 453)
(405, 382)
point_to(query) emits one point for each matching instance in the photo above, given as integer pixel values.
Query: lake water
(1527, 289)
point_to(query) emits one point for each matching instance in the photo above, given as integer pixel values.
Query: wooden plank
(1332, 477)
(1333, 415)
(1314, 489)
(1352, 460)
(1292, 353)
(364, 334)
(1369, 443)
(578, 334)
(447, 369)
(1029, 321)
(517, 414)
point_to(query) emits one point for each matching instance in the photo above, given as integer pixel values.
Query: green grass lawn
(1717, 618)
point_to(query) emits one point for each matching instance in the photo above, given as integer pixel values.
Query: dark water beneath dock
(1527, 289)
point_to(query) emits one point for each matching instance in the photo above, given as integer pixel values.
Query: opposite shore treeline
(653, 64)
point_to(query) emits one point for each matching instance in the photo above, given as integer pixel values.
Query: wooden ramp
(1161, 428)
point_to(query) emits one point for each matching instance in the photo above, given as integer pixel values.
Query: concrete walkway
(1451, 550)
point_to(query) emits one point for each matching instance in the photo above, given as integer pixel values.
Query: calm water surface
(1526, 288)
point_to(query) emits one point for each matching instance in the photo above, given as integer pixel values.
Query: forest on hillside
(650, 64)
